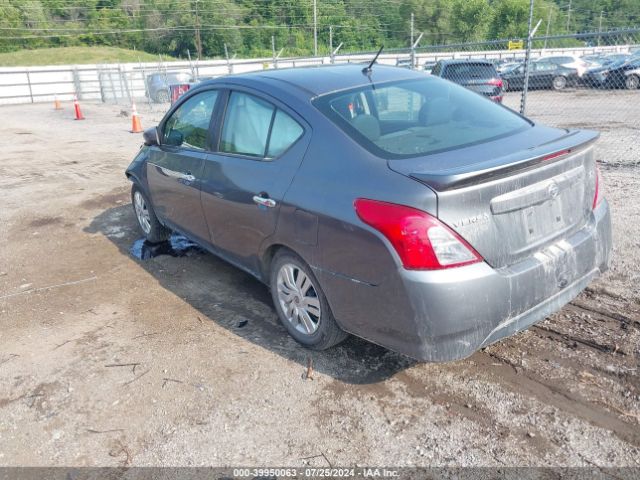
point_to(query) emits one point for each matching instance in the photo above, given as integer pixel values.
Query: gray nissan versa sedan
(395, 206)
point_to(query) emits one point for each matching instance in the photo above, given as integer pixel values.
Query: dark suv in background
(479, 76)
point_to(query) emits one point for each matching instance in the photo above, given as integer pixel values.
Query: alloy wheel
(298, 299)
(559, 83)
(632, 82)
(142, 212)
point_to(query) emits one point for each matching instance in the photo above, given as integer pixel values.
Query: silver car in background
(384, 203)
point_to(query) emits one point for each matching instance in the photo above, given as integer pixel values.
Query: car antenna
(367, 70)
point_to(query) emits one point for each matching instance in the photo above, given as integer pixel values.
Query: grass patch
(75, 56)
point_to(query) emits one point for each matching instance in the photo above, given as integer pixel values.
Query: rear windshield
(469, 70)
(418, 117)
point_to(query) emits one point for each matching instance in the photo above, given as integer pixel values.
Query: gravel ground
(112, 361)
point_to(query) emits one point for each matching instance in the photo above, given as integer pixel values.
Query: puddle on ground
(176, 246)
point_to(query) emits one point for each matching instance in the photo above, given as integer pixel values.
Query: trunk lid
(511, 197)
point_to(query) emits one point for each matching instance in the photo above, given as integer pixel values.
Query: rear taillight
(597, 196)
(421, 240)
(497, 82)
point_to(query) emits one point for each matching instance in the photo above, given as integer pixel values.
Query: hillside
(74, 56)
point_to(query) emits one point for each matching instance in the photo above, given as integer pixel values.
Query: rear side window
(256, 128)
(448, 117)
(284, 133)
(544, 66)
(469, 70)
(189, 124)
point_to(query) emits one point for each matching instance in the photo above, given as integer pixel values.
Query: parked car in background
(157, 84)
(600, 76)
(567, 61)
(381, 202)
(428, 66)
(403, 63)
(542, 75)
(605, 60)
(479, 76)
(507, 67)
(626, 75)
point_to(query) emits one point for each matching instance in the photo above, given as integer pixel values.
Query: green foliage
(73, 56)
(247, 26)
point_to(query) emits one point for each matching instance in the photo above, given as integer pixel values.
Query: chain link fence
(587, 81)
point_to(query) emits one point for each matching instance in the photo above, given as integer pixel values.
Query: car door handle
(187, 177)
(264, 201)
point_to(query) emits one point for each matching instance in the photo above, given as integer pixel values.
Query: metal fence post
(226, 55)
(99, 70)
(76, 83)
(29, 83)
(527, 63)
(113, 87)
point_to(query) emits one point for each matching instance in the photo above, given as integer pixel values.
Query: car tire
(632, 82)
(301, 304)
(162, 96)
(559, 82)
(151, 227)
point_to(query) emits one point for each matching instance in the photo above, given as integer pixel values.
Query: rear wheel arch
(266, 259)
(267, 256)
(329, 332)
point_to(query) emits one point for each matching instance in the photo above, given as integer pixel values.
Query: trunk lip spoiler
(461, 177)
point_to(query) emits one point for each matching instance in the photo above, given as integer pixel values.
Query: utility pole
(600, 27)
(548, 27)
(198, 40)
(568, 16)
(315, 28)
(600, 24)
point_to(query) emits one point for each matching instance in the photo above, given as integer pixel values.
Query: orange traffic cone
(136, 126)
(76, 106)
(56, 103)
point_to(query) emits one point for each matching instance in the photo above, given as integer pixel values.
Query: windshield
(418, 117)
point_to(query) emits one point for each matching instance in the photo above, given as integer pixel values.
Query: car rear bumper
(449, 314)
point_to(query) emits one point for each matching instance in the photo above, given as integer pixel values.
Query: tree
(470, 19)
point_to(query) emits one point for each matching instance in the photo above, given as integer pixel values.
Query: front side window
(256, 128)
(188, 126)
(246, 125)
(418, 117)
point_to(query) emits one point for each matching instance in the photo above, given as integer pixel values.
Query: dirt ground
(109, 360)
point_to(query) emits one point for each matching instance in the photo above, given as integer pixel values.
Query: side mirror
(151, 136)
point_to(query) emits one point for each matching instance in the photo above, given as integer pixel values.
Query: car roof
(454, 61)
(321, 79)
